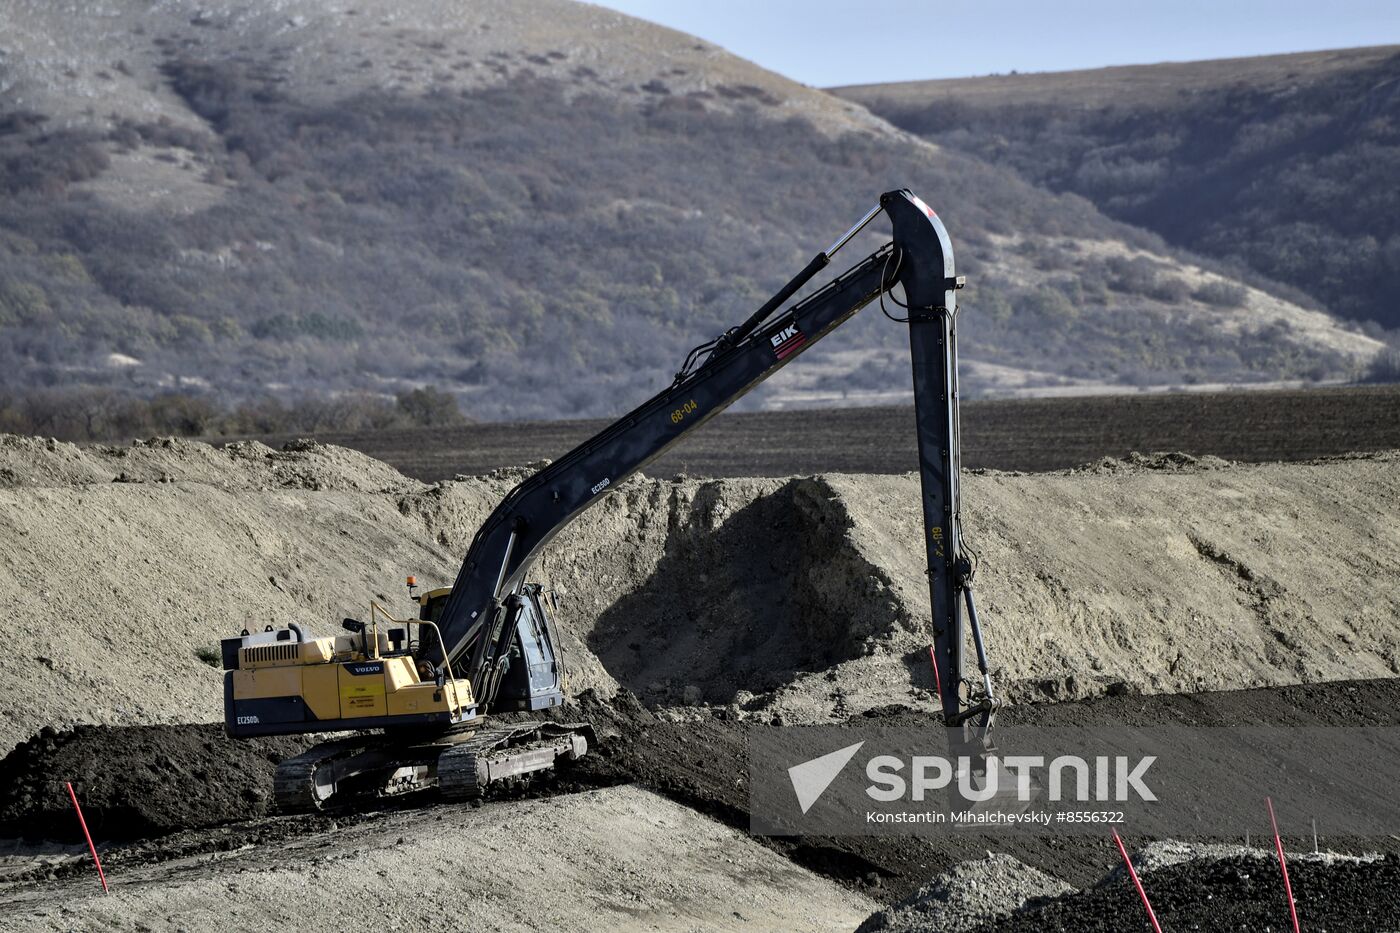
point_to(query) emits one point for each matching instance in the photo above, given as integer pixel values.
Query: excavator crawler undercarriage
(462, 766)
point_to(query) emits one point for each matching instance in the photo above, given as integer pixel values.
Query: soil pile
(802, 599)
(121, 567)
(299, 464)
(136, 782)
(963, 898)
(805, 599)
(1244, 893)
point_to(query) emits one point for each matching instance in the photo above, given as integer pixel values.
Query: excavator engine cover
(283, 682)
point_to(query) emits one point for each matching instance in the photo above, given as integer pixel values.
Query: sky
(832, 42)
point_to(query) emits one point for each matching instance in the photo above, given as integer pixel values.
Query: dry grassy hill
(539, 206)
(1286, 163)
(1166, 84)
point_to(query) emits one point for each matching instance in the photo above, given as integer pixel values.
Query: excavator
(444, 700)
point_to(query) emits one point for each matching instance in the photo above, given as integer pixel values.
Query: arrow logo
(811, 778)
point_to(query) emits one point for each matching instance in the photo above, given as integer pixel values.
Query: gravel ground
(611, 859)
(965, 896)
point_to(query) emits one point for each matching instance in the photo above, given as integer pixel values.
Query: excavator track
(506, 753)
(303, 783)
(462, 765)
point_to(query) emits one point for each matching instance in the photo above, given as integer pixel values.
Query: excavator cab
(431, 603)
(532, 676)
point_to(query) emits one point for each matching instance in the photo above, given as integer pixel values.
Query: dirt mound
(40, 461)
(306, 464)
(1174, 461)
(1244, 893)
(729, 589)
(800, 599)
(1148, 580)
(806, 599)
(966, 896)
(116, 588)
(299, 464)
(137, 782)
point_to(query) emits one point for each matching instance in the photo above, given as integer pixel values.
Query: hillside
(1285, 163)
(539, 207)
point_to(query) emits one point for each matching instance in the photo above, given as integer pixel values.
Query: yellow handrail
(376, 609)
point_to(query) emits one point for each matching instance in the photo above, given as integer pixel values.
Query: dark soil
(1014, 434)
(137, 781)
(151, 781)
(704, 765)
(1245, 894)
(1336, 703)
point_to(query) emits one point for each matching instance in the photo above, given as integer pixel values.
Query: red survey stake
(1137, 883)
(1283, 867)
(91, 848)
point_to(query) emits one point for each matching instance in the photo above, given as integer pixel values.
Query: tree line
(99, 414)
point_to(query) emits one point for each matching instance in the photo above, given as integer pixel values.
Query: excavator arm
(489, 645)
(493, 621)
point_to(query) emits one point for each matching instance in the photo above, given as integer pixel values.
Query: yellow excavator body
(282, 681)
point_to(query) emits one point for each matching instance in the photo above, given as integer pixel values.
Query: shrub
(1169, 289)
(1384, 368)
(1221, 294)
(430, 407)
(1132, 276)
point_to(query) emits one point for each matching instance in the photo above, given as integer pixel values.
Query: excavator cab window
(431, 608)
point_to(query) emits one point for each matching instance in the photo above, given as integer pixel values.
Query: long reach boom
(480, 619)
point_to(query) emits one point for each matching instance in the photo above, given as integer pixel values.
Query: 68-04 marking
(686, 410)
